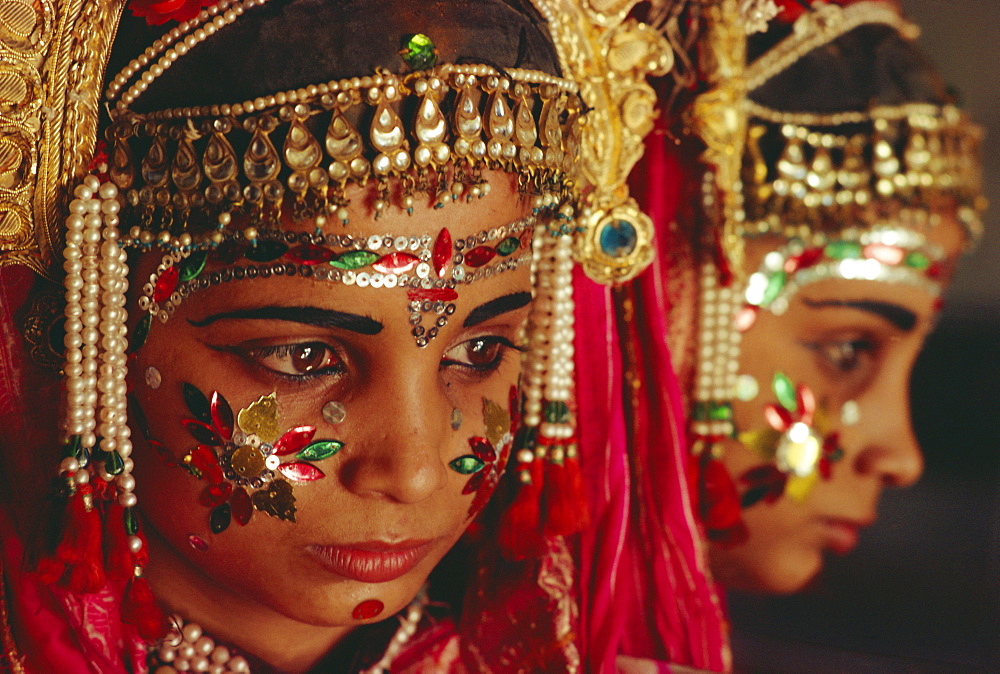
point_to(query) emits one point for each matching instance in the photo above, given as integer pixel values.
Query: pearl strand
(189, 649)
(96, 345)
(538, 330)
(559, 377)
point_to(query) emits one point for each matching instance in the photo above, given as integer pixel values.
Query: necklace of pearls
(189, 649)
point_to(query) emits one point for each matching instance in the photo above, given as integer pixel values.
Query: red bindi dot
(367, 610)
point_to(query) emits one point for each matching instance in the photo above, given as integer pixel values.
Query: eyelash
(483, 369)
(858, 348)
(258, 353)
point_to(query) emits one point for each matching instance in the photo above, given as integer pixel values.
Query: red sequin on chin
(367, 609)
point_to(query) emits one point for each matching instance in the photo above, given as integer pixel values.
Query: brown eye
(482, 352)
(306, 359)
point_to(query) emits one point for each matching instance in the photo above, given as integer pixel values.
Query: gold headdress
(193, 180)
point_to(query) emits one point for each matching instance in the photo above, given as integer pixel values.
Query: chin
(779, 571)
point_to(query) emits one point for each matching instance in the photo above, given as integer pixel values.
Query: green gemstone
(131, 521)
(197, 403)
(266, 251)
(193, 265)
(525, 438)
(557, 412)
(774, 287)
(141, 333)
(113, 463)
(220, 518)
(74, 447)
(701, 411)
(508, 245)
(843, 250)
(355, 259)
(419, 52)
(467, 465)
(720, 412)
(322, 449)
(785, 390)
(917, 260)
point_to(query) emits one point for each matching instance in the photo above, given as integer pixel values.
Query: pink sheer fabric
(645, 590)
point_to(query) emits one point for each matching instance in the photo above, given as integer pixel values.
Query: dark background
(922, 591)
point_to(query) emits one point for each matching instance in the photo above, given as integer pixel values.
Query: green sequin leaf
(508, 245)
(355, 259)
(266, 251)
(917, 260)
(141, 333)
(197, 403)
(467, 465)
(785, 390)
(193, 265)
(319, 450)
(775, 284)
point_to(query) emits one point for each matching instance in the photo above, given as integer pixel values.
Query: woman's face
(853, 343)
(388, 505)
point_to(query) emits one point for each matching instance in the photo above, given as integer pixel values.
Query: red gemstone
(222, 415)
(227, 252)
(482, 448)
(807, 259)
(367, 609)
(475, 482)
(934, 270)
(433, 295)
(395, 263)
(745, 318)
(300, 471)
(215, 494)
(242, 506)
(166, 284)
(294, 440)
(441, 255)
(205, 461)
(479, 256)
(807, 403)
(526, 238)
(309, 254)
(162, 452)
(202, 432)
(778, 417)
(890, 255)
(197, 543)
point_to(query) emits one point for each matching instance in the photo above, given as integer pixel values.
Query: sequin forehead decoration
(431, 268)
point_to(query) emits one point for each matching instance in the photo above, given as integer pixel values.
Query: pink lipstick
(372, 561)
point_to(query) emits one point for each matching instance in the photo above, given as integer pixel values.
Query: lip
(372, 561)
(842, 534)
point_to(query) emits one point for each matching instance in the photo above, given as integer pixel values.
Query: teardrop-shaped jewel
(524, 125)
(501, 121)
(885, 163)
(387, 129)
(120, 169)
(154, 164)
(260, 162)
(343, 142)
(792, 165)
(185, 171)
(430, 126)
(302, 150)
(549, 123)
(821, 176)
(220, 159)
(468, 121)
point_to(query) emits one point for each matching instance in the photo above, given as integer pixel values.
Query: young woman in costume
(299, 273)
(801, 288)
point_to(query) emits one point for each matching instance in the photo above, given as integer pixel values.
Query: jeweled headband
(844, 192)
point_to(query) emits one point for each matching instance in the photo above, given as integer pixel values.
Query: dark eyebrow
(323, 318)
(901, 317)
(495, 307)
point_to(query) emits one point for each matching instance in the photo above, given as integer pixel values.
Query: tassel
(139, 609)
(519, 535)
(565, 507)
(120, 563)
(79, 552)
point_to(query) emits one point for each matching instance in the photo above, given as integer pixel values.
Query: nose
(883, 440)
(399, 456)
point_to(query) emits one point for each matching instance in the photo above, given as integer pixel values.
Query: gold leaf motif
(15, 90)
(248, 462)
(276, 501)
(497, 421)
(261, 418)
(798, 488)
(18, 20)
(13, 221)
(764, 441)
(15, 162)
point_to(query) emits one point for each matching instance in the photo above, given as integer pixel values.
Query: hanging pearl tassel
(96, 346)
(520, 529)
